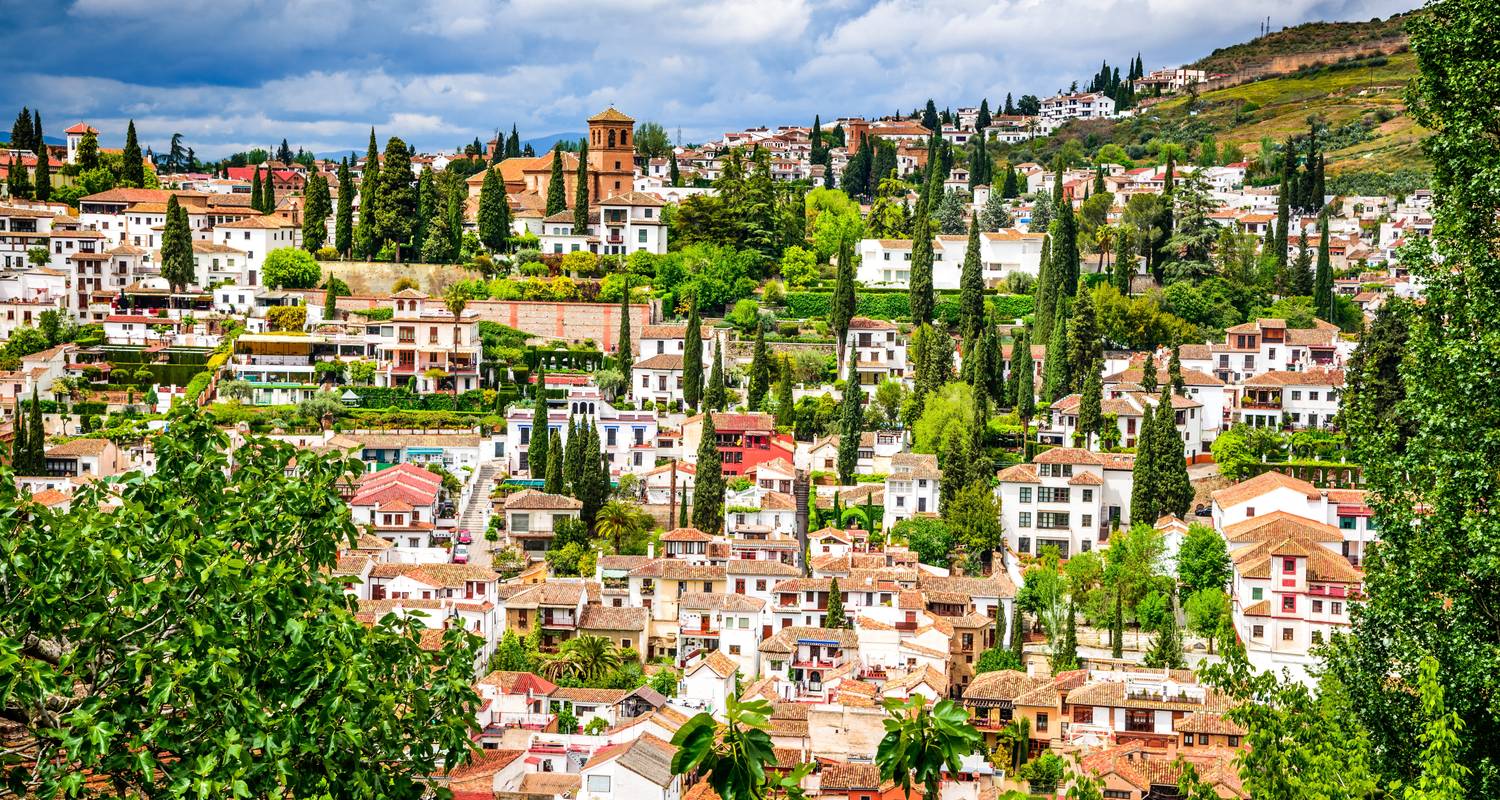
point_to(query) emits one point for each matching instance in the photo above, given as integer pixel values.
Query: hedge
(376, 397)
(896, 304)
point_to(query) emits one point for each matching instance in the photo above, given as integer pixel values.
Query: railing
(500, 721)
(560, 621)
(1263, 405)
(815, 663)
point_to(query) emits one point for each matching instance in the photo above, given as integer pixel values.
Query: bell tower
(611, 154)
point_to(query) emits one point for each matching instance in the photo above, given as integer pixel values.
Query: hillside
(1322, 40)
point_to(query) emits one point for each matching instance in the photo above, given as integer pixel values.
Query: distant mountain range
(540, 144)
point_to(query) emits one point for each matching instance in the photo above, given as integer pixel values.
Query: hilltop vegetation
(1309, 38)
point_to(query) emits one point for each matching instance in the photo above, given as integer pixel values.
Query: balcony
(816, 663)
(563, 621)
(1261, 405)
(700, 629)
(531, 722)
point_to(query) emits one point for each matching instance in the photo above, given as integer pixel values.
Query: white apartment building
(1345, 510)
(627, 439)
(1066, 498)
(912, 487)
(1305, 399)
(424, 343)
(879, 352)
(1129, 408)
(1057, 111)
(1268, 344)
(887, 262)
(620, 224)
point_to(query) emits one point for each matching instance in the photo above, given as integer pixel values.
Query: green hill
(1312, 38)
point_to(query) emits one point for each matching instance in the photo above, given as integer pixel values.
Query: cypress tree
(537, 454)
(343, 220)
(22, 137)
(1055, 378)
(366, 237)
(427, 204)
(1013, 378)
(760, 371)
(715, 396)
(785, 404)
(1010, 189)
(513, 144)
(557, 192)
(36, 437)
(834, 616)
(625, 352)
(1025, 393)
(1323, 280)
(1283, 220)
(692, 359)
(177, 247)
(593, 475)
(581, 193)
(1090, 402)
(17, 179)
(1065, 251)
(841, 309)
(554, 479)
(1018, 633)
(1044, 296)
(708, 491)
(20, 455)
(256, 202)
(682, 510)
(42, 189)
(573, 457)
(1117, 626)
(999, 386)
(132, 168)
(674, 177)
(1145, 504)
(1174, 371)
(851, 425)
(1148, 374)
(1124, 266)
(1301, 279)
(1099, 187)
(1173, 485)
(1065, 655)
(920, 285)
(315, 212)
(268, 193)
(1166, 648)
(983, 120)
(971, 286)
(494, 213)
(816, 156)
(1085, 345)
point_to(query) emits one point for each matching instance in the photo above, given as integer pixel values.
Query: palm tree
(589, 657)
(456, 301)
(618, 522)
(919, 743)
(1017, 739)
(734, 756)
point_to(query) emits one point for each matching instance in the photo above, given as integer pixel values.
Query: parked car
(464, 537)
(461, 554)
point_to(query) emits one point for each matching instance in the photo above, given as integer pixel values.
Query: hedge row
(888, 304)
(382, 397)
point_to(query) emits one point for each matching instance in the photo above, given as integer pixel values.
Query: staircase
(475, 515)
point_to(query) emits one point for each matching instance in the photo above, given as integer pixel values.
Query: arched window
(624, 138)
(611, 139)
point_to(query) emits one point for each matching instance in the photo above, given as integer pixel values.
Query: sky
(233, 74)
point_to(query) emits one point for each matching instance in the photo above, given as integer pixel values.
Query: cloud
(229, 74)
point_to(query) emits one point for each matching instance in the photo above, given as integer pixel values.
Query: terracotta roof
(583, 695)
(1067, 455)
(844, 777)
(1006, 684)
(720, 664)
(610, 618)
(81, 447)
(1261, 484)
(519, 683)
(532, 499)
(1279, 525)
(1019, 473)
(1311, 377)
(661, 361)
(1210, 722)
(610, 115)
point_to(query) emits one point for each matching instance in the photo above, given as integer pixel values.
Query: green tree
(42, 179)
(1090, 408)
(1055, 374)
(1166, 645)
(851, 425)
(1375, 388)
(557, 191)
(1025, 377)
(760, 370)
(177, 248)
(290, 268)
(1207, 613)
(692, 358)
(735, 757)
(316, 207)
(257, 201)
(343, 220)
(20, 454)
(1148, 374)
(920, 282)
(132, 165)
(268, 193)
(708, 489)
(785, 404)
(366, 236)
(1323, 278)
(395, 198)
(971, 287)
(920, 742)
(1444, 776)
(931, 539)
(494, 213)
(581, 192)
(128, 658)
(975, 514)
(1173, 488)
(554, 471)
(841, 309)
(1203, 560)
(536, 457)
(834, 616)
(1043, 773)
(716, 396)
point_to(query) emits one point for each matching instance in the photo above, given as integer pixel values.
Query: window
(1048, 494)
(1234, 741)
(599, 784)
(1024, 545)
(1257, 631)
(1088, 520)
(1288, 566)
(1337, 607)
(1288, 603)
(1140, 720)
(1053, 520)
(1347, 523)
(1287, 635)
(1088, 495)
(1025, 494)
(1203, 738)
(1317, 637)
(1312, 395)
(1041, 723)
(1024, 521)
(1296, 395)
(1257, 593)
(734, 649)
(520, 523)
(1083, 714)
(1187, 740)
(1317, 606)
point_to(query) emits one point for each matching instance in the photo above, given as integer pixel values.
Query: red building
(745, 440)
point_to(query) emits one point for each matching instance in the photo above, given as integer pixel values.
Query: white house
(912, 487)
(640, 769)
(1067, 498)
(887, 262)
(1058, 110)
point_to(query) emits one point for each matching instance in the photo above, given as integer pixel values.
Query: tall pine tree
(132, 166)
(692, 359)
(177, 248)
(971, 287)
(1323, 278)
(557, 191)
(760, 371)
(581, 192)
(716, 395)
(343, 220)
(708, 487)
(851, 425)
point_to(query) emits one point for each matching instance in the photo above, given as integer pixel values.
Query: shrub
(291, 268)
(327, 254)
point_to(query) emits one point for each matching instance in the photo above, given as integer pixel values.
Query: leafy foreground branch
(180, 634)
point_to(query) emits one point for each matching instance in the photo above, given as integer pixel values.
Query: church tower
(611, 154)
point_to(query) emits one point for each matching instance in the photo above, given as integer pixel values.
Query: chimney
(651, 550)
(800, 490)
